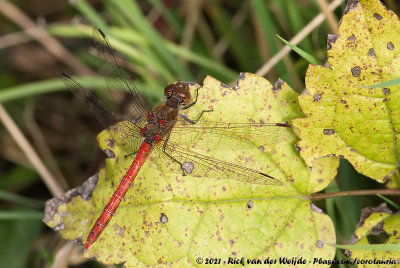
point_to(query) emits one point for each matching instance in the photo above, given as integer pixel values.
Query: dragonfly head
(177, 94)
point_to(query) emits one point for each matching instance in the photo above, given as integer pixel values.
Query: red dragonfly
(147, 131)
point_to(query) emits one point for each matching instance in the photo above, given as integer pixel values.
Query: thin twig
(17, 38)
(296, 39)
(237, 21)
(56, 49)
(42, 146)
(51, 183)
(355, 193)
(46, 40)
(332, 21)
(192, 15)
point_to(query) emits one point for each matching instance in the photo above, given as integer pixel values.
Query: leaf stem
(355, 193)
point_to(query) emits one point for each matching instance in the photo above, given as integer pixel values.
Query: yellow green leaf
(381, 226)
(344, 117)
(166, 218)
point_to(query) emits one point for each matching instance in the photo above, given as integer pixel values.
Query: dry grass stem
(296, 39)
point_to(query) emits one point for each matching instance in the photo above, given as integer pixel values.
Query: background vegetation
(160, 42)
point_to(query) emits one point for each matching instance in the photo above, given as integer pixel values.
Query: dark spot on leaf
(386, 91)
(109, 153)
(343, 101)
(371, 52)
(261, 148)
(390, 46)
(278, 85)
(233, 253)
(377, 16)
(317, 97)
(319, 244)
(163, 218)
(231, 242)
(352, 38)
(249, 205)
(328, 132)
(356, 71)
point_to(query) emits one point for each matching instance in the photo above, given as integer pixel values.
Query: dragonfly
(143, 132)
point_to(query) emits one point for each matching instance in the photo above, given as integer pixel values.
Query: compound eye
(169, 89)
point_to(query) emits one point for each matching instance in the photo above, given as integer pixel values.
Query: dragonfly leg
(194, 121)
(176, 161)
(193, 103)
(171, 157)
(129, 155)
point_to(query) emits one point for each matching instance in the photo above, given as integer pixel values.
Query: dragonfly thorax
(159, 123)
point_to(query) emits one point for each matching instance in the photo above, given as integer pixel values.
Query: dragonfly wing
(195, 164)
(121, 87)
(224, 135)
(125, 133)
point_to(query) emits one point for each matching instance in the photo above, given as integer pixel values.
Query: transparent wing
(221, 134)
(192, 163)
(119, 84)
(125, 133)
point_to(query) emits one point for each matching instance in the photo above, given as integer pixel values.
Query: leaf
(344, 118)
(378, 223)
(169, 219)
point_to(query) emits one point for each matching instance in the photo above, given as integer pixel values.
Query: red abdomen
(111, 207)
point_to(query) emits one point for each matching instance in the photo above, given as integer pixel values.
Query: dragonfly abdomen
(112, 205)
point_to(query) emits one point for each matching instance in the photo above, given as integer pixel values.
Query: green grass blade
(237, 44)
(170, 18)
(388, 83)
(133, 13)
(91, 14)
(375, 247)
(387, 200)
(53, 85)
(301, 52)
(21, 200)
(21, 215)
